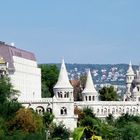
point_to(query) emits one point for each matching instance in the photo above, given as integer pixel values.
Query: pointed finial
(130, 64)
(63, 62)
(130, 69)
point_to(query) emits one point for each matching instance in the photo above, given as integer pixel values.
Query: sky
(80, 31)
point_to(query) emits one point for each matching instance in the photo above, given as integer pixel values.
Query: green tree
(130, 131)
(60, 132)
(49, 77)
(108, 94)
(110, 119)
(8, 107)
(88, 112)
(6, 89)
(48, 119)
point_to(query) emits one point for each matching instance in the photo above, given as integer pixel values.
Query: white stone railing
(41, 100)
(116, 108)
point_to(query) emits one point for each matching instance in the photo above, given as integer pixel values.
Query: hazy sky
(80, 31)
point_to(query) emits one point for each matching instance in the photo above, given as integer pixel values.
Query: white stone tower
(63, 102)
(89, 93)
(129, 79)
(136, 90)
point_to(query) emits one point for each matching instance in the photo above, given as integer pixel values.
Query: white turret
(63, 88)
(136, 90)
(130, 71)
(89, 93)
(63, 102)
(129, 79)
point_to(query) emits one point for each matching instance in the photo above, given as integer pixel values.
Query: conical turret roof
(63, 80)
(130, 70)
(89, 88)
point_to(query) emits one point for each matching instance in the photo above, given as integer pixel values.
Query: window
(127, 110)
(61, 96)
(89, 98)
(40, 110)
(49, 110)
(58, 94)
(86, 98)
(63, 111)
(93, 98)
(67, 94)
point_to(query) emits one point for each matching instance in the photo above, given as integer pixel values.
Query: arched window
(108, 110)
(120, 110)
(63, 111)
(49, 110)
(105, 110)
(134, 110)
(67, 94)
(113, 110)
(61, 96)
(40, 110)
(58, 94)
(89, 98)
(127, 110)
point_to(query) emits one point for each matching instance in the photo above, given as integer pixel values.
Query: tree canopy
(108, 94)
(49, 77)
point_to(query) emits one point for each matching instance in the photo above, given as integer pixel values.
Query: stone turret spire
(130, 70)
(129, 79)
(63, 80)
(89, 88)
(89, 93)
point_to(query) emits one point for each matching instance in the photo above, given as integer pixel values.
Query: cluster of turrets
(132, 85)
(63, 88)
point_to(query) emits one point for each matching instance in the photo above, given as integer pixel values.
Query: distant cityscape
(102, 74)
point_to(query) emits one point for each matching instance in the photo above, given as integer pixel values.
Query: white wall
(26, 78)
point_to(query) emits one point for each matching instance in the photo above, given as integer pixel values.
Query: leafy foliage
(48, 118)
(49, 76)
(60, 132)
(6, 89)
(108, 94)
(27, 121)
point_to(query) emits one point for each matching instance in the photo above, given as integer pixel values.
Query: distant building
(22, 69)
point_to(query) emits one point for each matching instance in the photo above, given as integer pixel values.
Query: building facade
(21, 66)
(22, 70)
(62, 104)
